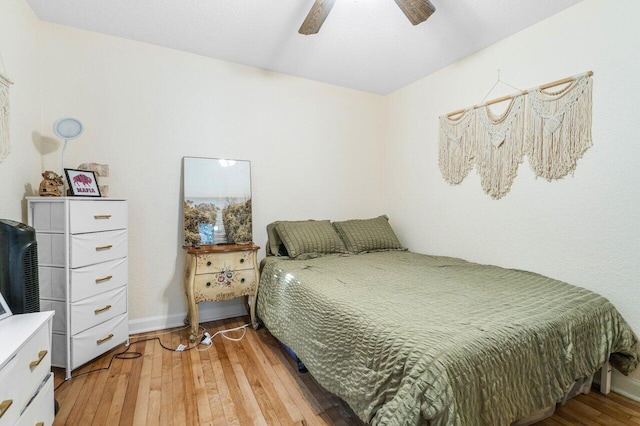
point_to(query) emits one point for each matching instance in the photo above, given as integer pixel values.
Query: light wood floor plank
(240, 383)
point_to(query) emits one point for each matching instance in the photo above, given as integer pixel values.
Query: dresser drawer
(97, 340)
(94, 279)
(95, 310)
(232, 261)
(89, 249)
(24, 372)
(41, 408)
(93, 216)
(51, 249)
(60, 318)
(224, 285)
(52, 281)
(48, 216)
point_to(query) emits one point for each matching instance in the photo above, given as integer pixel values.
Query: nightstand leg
(192, 306)
(252, 311)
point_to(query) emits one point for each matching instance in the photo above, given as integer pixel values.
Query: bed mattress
(406, 338)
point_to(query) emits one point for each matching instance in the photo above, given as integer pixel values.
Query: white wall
(583, 229)
(315, 148)
(19, 61)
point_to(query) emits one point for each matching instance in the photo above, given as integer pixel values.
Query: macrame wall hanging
(552, 128)
(5, 83)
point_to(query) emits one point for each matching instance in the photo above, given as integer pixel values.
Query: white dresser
(26, 381)
(83, 274)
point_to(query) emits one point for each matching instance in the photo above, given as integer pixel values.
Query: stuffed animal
(50, 185)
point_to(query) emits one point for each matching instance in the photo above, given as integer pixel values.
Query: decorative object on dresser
(5, 83)
(216, 201)
(220, 272)
(82, 183)
(101, 171)
(50, 185)
(26, 380)
(68, 129)
(82, 251)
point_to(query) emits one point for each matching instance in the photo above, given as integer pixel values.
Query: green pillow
(274, 243)
(365, 235)
(309, 238)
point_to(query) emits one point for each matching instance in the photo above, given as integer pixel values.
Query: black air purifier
(19, 267)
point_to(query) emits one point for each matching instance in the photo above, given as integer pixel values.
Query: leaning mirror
(217, 201)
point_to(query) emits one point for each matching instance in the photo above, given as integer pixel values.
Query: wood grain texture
(316, 17)
(416, 11)
(239, 383)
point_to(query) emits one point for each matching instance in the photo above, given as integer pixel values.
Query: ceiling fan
(417, 11)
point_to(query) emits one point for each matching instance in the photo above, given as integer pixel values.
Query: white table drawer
(95, 310)
(41, 409)
(86, 216)
(98, 340)
(94, 279)
(24, 372)
(89, 249)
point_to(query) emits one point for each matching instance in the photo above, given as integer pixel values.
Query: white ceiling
(364, 44)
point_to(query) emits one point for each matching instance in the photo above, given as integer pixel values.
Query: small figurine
(50, 185)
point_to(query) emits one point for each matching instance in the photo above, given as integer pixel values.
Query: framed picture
(4, 308)
(82, 183)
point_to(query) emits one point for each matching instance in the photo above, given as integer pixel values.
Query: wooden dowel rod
(524, 92)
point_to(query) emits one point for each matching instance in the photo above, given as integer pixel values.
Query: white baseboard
(625, 386)
(207, 311)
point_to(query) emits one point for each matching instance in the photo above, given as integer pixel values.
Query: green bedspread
(408, 339)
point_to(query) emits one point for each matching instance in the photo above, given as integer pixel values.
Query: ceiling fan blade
(314, 20)
(416, 10)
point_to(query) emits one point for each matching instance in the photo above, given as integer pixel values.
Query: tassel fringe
(552, 128)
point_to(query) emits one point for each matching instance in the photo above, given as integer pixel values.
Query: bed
(407, 338)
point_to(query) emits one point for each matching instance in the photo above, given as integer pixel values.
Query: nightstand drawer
(232, 261)
(225, 285)
(89, 249)
(98, 340)
(95, 310)
(87, 216)
(95, 279)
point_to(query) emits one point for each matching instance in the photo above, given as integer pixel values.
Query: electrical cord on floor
(205, 339)
(131, 355)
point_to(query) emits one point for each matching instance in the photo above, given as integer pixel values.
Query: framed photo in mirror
(216, 201)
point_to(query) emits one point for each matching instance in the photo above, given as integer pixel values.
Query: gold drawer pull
(39, 424)
(41, 355)
(104, 339)
(106, 308)
(103, 279)
(4, 406)
(104, 247)
(102, 216)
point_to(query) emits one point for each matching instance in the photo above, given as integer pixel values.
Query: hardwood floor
(239, 383)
